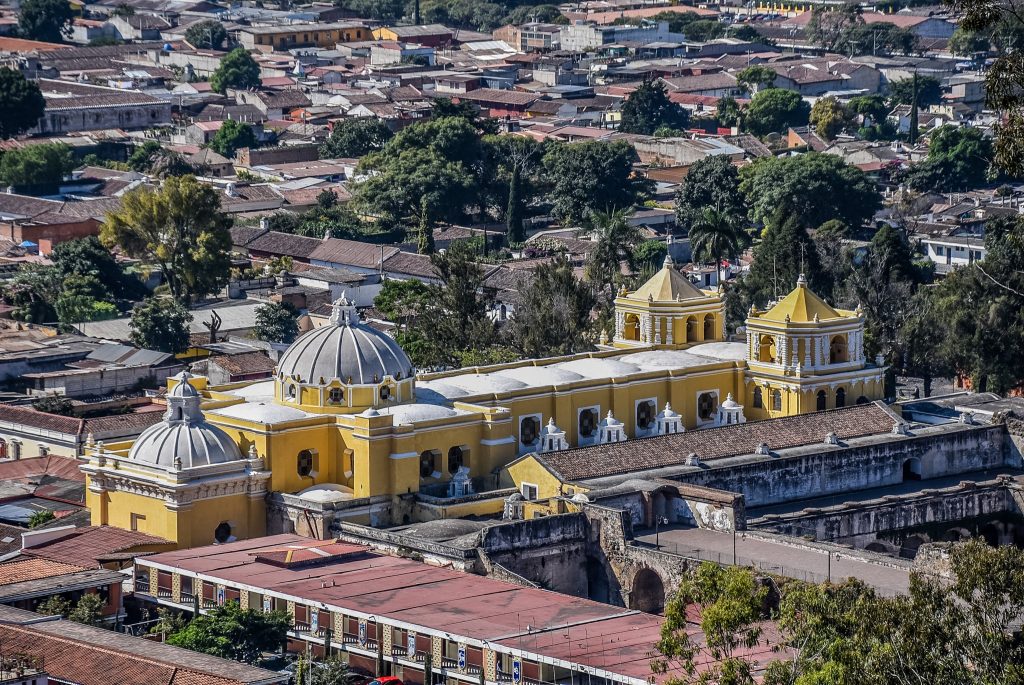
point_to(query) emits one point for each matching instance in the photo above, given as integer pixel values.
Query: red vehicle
(386, 680)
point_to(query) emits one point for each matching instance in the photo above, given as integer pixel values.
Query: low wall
(813, 472)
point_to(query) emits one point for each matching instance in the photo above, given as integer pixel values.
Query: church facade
(347, 422)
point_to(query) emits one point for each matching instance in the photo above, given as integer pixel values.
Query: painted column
(668, 334)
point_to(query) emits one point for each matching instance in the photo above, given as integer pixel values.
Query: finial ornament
(668, 263)
(801, 282)
(343, 312)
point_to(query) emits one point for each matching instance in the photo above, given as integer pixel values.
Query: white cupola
(729, 413)
(669, 421)
(611, 430)
(552, 438)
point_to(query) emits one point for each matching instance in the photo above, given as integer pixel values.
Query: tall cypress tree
(425, 242)
(515, 231)
(912, 137)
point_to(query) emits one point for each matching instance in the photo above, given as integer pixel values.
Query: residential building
(72, 106)
(281, 38)
(430, 35)
(531, 37)
(582, 37)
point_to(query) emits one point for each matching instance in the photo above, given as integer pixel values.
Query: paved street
(795, 562)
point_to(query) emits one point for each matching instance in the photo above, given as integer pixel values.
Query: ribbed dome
(183, 439)
(344, 349)
(193, 443)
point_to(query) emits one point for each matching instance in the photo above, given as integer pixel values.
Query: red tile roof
(37, 419)
(31, 568)
(64, 468)
(715, 443)
(86, 547)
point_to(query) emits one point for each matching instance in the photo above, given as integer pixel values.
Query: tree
(41, 518)
(929, 91)
(403, 301)
(53, 404)
(237, 70)
(785, 252)
(333, 671)
(54, 605)
(775, 109)
(355, 137)
(717, 233)
(965, 43)
(425, 234)
(21, 103)
(816, 187)
(756, 77)
(48, 21)
(592, 176)
(713, 181)
(208, 33)
(829, 26)
(871, 108)
(32, 292)
(384, 11)
(160, 324)
(88, 610)
(231, 136)
(648, 108)
(435, 159)
(276, 322)
(231, 632)
(959, 158)
(828, 117)
(727, 112)
(88, 257)
(650, 254)
(40, 166)
(1004, 78)
(512, 163)
(729, 601)
(615, 242)
(181, 229)
(704, 30)
(553, 315)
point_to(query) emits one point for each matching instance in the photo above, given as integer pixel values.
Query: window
(939, 250)
(707, 403)
(776, 400)
(840, 398)
(136, 519)
(305, 463)
(428, 464)
(766, 349)
(385, 392)
(822, 399)
(837, 350)
(336, 395)
(291, 391)
(529, 430)
(645, 412)
(529, 491)
(588, 421)
(758, 400)
(223, 532)
(455, 459)
(3, 448)
(709, 327)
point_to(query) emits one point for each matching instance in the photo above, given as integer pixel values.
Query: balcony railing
(188, 597)
(209, 603)
(142, 584)
(301, 627)
(164, 593)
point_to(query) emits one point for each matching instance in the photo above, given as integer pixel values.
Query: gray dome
(344, 349)
(183, 439)
(194, 443)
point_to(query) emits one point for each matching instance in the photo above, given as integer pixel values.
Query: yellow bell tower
(668, 312)
(804, 355)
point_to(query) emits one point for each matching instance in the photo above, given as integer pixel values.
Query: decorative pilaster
(291, 610)
(176, 587)
(437, 649)
(490, 666)
(243, 599)
(657, 329)
(807, 351)
(668, 331)
(338, 624)
(389, 637)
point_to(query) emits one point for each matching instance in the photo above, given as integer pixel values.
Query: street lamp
(658, 520)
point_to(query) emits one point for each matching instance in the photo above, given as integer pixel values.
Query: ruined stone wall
(809, 474)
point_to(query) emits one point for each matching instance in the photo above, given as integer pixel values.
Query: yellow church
(347, 423)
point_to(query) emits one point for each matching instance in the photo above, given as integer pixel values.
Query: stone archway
(910, 546)
(648, 593)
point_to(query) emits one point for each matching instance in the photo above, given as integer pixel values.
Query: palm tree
(716, 234)
(615, 242)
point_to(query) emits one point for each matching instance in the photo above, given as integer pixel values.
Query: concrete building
(531, 36)
(72, 106)
(282, 38)
(582, 37)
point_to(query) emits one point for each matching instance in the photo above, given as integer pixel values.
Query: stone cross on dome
(343, 312)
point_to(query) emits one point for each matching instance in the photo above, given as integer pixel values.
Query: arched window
(837, 353)
(631, 327)
(588, 423)
(822, 400)
(758, 400)
(691, 329)
(776, 400)
(707, 403)
(645, 412)
(766, 349)
(291, 391)
(709, 327)
(336, 395)
(385, 392)
(455, 459)
(428, 464)
(529, 430)
(222, 533)
(304, 463)
(840, 398)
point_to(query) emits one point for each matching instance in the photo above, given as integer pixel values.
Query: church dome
(345, 350)
(183, 439)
